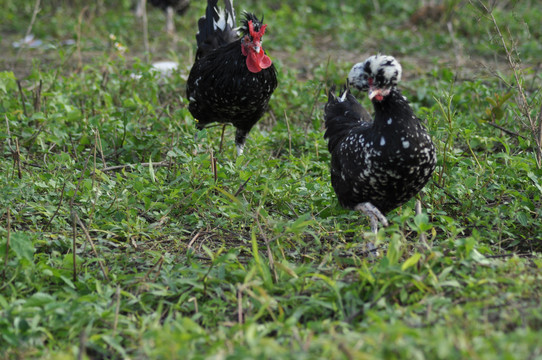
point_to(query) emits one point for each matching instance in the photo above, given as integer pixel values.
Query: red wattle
(252, 64)
(258, 61)
(265, 61)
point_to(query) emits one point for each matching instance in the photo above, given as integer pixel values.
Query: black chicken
(232, 78)
(376, 165)
(170, 7)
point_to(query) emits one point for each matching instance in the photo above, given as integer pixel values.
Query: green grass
(258, 260)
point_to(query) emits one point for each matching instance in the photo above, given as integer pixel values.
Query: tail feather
(228, 6)
(341, 115)
(216, 28)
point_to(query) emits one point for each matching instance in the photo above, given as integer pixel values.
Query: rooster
(232, 78)
(171, 7)
(376, 164)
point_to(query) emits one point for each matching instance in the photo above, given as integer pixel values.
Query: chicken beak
(377, 93)
(257, 49)
(374, 93)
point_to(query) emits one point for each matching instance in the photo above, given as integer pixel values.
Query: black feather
(179, 6)
(247, 16)
(341, 116)
(208, 38)
(384, 162)
(220, 87)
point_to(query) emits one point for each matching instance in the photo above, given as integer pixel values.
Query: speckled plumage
(386, 161)
(220, 87)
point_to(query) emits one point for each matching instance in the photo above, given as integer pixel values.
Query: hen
(376, 165)
(232, 78)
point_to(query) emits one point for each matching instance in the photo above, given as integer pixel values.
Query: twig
(124, 133)
(93, 176)
(269, 253)
(117, 310)
(158, 264)
(100, 262)
(17, 158)
(193, 239)
(8, 140)
(213, 166)
(326, 74)
(505, 130)
(289, 133)
(139, 8)
(376, 5)
(540, 126)
(527, 255)
(457, 45)
(74, 236)
(78, 42)
(79, 182)
(73, 148)
(7, 246)
(222, 138)
(34, 14)
(448, 194)
(120, 167)
(277, 151)
(240, 305)
(105, 79)
(21, 94)
(82, 344)
(57, 208)
(195, 300)
(423, 235)
(37, 97)
(45, 153)
(29, 29)
(145, 30)
(315, 101)
(14, 152)
(99, 143)
(242, 187)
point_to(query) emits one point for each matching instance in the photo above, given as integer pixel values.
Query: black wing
(216, 28)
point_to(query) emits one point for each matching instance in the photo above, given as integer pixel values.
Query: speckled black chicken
(232, 78)
(376, 164)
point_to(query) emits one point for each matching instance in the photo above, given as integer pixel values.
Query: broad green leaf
(536, 181)
(40, 299)
(21, 244)
(8, 81)
(151, 170)
(411, 261)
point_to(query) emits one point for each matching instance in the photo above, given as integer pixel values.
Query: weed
(122, 236)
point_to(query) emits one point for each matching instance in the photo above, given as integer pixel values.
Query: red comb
(256, 35)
